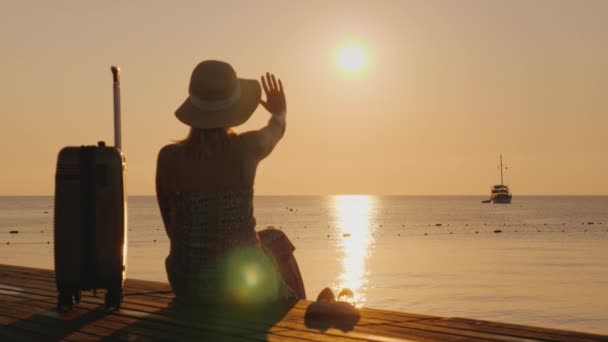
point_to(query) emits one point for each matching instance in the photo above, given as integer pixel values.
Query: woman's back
(209, 187)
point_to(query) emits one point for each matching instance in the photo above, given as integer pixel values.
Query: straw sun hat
(218, 98)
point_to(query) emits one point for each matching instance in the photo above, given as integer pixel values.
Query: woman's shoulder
(169, 149)
(168, 152)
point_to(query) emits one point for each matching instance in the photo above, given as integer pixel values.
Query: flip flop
(327, 296)
(327, 306)
(348, 294)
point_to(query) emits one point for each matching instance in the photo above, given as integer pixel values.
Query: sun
(351, 58)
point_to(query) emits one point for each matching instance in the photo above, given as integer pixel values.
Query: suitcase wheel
(113, 299)
(66, 300)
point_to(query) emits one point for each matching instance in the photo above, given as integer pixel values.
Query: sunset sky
(444, 87)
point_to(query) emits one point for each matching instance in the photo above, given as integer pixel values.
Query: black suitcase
(91, 218)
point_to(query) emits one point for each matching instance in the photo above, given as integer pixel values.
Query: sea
(542, 260)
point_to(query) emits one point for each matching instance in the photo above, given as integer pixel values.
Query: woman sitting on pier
(204, 187)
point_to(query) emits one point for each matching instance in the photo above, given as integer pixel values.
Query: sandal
(327, 312)
(327, 306)
(350, 296)
(327, 296)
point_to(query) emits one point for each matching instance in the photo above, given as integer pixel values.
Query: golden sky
(447, 87)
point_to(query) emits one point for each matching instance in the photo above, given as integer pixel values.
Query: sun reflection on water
(354, 216)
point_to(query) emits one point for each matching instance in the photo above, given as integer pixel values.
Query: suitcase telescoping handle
(117, 125)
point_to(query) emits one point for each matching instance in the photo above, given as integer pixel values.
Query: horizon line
(361, 194)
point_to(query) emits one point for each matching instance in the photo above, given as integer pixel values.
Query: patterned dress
(216, 255)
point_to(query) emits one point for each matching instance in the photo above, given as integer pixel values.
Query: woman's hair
(205, 142)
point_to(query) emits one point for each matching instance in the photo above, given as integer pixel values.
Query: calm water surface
(433, 255)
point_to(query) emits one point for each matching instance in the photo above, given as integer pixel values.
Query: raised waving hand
(275, 96)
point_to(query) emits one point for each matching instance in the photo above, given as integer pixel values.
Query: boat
(500, 192)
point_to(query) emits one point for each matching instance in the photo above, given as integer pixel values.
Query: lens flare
(250, 276)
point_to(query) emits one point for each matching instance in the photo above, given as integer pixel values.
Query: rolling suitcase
(91, 217)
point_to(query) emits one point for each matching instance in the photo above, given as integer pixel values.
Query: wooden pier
(28, 301)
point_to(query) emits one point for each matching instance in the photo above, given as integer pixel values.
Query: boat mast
(501, 181)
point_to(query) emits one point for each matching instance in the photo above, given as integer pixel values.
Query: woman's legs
(276, 243)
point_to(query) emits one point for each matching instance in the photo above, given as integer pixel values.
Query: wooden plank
(290, 321)
(419, 325)
(144, 285)
(167, 325)
(556, 334)
(221, 325)
(105, 326)
(517, 334)
(9, 333)
(156, 329)
(313, 336)
(47, 334)
(369, 317)
(28, 299)
(86, 321)
(332, 334)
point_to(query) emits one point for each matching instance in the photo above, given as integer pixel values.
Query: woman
(204, 187)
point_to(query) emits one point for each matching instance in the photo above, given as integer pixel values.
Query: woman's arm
(162, 193)
(261, 142)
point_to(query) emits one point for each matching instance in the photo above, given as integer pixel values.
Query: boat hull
(501, 199)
